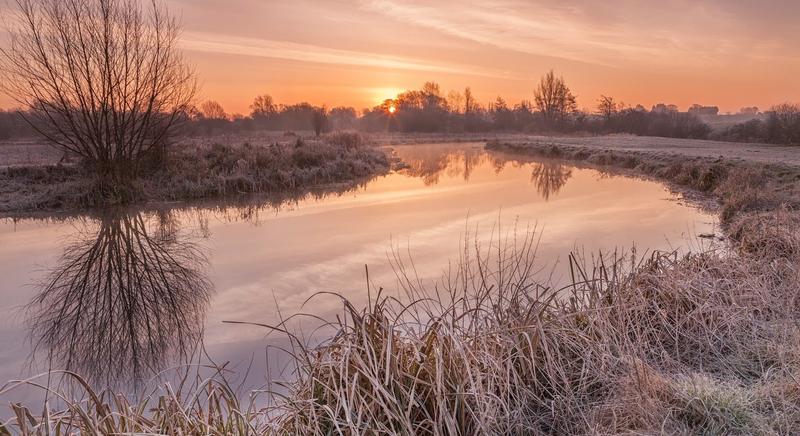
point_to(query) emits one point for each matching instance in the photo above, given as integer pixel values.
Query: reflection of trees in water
(431, 162)
(124, 301)
(252, 208)
(549, 177)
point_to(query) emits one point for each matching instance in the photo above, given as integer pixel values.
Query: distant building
(697, 109)
(662, 108)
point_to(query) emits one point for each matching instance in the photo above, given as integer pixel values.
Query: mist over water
(139, 290)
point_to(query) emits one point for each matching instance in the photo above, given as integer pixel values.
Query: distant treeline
(781, 126)
(13, 125)
(553, 110)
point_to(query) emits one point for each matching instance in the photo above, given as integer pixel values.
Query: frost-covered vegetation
(704, 343)
(202, 168)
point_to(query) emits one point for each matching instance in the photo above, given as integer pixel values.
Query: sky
(729, 53)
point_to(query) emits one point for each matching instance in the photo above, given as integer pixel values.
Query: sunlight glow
(382, 94)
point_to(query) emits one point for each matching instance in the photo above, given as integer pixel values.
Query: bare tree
(783, 123)
(319, 120)
(263, 106)
(212, 110)
(102, 79)
(469, 101)
(607, 107)
(553, 98)
(454, 101)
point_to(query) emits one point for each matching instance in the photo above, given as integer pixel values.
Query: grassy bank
(706, 343)
(201, 169)
(739, 186)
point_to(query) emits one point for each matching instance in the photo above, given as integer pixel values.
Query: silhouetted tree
(455, 101)
(502, 116)
(212, 110)
(263, 107)
(783, 124)
(6, 124)
(103, 79)
(750, 130)
(523, 115)
(697, 109)
(263, 112)
(422, 111)
(319, 120)
(211, 118)
(342, 118)
(553, 98)
(469, 101)
(607, 107)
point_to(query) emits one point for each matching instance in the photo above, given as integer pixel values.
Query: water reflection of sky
(260, 258)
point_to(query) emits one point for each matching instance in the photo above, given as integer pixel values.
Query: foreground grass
(201, 169)
(706, 343)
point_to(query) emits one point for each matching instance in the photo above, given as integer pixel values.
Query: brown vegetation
(202, 169)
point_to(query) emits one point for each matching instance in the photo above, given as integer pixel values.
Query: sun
(392, 109)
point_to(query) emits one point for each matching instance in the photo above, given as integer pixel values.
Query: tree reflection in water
(549, 177)
(124, 301)
(430, 163)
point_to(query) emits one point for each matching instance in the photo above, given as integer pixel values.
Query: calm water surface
(120, 296)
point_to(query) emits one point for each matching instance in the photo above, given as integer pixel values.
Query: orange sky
(724, 52)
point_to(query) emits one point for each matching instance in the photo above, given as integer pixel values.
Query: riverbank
(705, 343)
(701, 344)
(194, 169)
(738, 184)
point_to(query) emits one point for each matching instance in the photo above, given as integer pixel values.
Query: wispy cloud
(580, 31)
(234, 45)
(508, 25)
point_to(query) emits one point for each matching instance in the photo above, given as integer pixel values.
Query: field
(27, 153)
